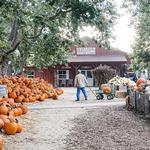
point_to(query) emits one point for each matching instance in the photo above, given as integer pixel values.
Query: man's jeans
(83, 91)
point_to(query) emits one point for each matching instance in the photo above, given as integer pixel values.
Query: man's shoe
(77, 100)
(85, 98)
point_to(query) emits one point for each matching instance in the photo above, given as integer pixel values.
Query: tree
(103, 74)
(42, 31)
(141, 20)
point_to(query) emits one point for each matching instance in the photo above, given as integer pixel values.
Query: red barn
(84, 58)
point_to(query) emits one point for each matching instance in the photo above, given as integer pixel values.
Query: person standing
(80, 82)
(143, 75)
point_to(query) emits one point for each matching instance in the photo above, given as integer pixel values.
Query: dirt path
(109, 128)
(84, 125)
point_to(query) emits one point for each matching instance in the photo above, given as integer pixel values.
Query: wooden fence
(140, 102)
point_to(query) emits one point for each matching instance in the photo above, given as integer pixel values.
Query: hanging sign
(3, 91)
(86, 51)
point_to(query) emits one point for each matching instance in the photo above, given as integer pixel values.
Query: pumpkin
(9, 101)
(55, 96)
(59, 91)
(19, 127)
(12, 95)
(24, 109)
(26, 100)
(16, 112)
(10, 128)
(3, 109)
(19, 99)
(42, 98)
(19, 111)
(4, 118)
(140, 81)
(106, 90)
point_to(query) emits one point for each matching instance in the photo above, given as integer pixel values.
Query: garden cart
(100, 93)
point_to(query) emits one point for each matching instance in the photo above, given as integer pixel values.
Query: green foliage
(103, 74)
(141, 20)
(45, 29)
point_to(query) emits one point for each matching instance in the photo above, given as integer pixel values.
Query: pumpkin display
(22, 89)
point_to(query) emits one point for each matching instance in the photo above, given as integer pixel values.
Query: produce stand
(139, 98)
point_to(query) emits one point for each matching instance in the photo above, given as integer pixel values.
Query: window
(30, 74)
(62, 74)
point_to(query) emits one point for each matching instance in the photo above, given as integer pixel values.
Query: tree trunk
(23, 59)
(4, 68)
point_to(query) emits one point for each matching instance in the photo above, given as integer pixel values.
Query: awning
(111, 58)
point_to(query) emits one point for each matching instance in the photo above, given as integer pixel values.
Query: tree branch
(36, 36)
(13, 48)
(58, 12)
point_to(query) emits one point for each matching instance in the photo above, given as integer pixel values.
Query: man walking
(80, 82)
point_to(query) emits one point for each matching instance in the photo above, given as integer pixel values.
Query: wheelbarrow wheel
(109, 97)
(99, 97)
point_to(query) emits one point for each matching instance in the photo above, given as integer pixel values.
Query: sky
(122, 31)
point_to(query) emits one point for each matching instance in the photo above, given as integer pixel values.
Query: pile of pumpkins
(140, 85)
(8, 111)
(23, 89)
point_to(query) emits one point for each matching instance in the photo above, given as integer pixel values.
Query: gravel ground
(109, 128)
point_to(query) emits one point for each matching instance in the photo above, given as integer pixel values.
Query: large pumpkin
(10, 128)
(106, 90)
(140, 81)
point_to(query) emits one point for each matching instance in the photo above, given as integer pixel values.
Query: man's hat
(79, 71)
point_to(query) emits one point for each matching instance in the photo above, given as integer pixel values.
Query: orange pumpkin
(59, 91)
(106, 90)
(12, 95)
(10, 128)
(19, 99)
(55, 96)
(3, 109)
(19, 127)
(24, 109)
(19, 111)
(16, 112)
(140, 81)
(26, 100)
